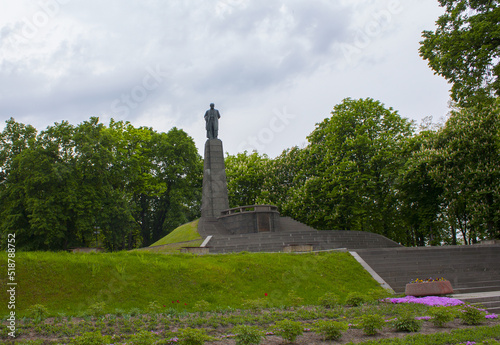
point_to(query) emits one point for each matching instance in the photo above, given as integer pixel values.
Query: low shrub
(355, 299)
(38, 312)
(91, 338)
(441, 315)
(97, 309)
(330, 330)
(472, 316)
(371, 323)
(192, 336)
(377, 294)
(142, 338)
(294, 299)
(255, 304)
(247, 335)
(154, 308)
(288, 330)
(329, 300)
(406, 322)
(202, 306)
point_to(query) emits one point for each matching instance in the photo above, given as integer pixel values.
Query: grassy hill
(70, 283)
(184, 236)
(184, 233)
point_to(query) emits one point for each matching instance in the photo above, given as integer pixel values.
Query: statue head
(212, 105)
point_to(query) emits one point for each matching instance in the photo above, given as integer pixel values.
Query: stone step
(470, 269)
(487, 300)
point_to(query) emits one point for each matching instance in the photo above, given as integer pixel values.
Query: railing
(250, 208)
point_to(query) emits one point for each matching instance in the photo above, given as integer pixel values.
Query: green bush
(294, 299)
(247, 335)
(134, 312)
(472, 316)
(377, 294)
(329, 300)
(330, 330)
(202, 306)
(38, 312)
(91, 338)
(143, 338)
(441, 315)
(192, 336)
(97, 309)
(288, 330)
(372, 323)
(355, 299)
(255, 304)
(154, 308)
(406, 322)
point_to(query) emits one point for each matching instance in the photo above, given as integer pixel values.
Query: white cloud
(93, 58)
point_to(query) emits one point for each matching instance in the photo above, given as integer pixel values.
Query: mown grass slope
(69, 283)
(184, 233)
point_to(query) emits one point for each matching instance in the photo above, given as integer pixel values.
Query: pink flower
(265, 294)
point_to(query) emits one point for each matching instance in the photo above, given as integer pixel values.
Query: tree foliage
(466, 163)
(366, 168)
(246, 174)
(464, 49)
(71, 185)
(352, 162)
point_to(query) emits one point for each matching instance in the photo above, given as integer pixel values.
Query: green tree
(464, 49)
(284, 174)
(178, 173)
(420, 195)
(353, 160)
(467, 165)
(71, 185)
(15, 138)
(246, 175)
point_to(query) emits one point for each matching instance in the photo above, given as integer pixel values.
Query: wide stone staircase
(474, 271)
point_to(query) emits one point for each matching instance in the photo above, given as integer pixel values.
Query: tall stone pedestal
(214, 198)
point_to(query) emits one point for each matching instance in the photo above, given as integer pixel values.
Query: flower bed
(429, 300)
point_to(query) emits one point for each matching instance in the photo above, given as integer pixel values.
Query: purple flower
(426, 318)
(492, 316)
(429, 300)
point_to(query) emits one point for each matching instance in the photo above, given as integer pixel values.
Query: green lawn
(69, 283)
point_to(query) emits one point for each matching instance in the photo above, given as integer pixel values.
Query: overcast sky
(273, 68)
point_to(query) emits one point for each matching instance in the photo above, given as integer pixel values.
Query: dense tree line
(368, 169)
(118, 185)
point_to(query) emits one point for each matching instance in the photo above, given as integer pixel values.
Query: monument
(214, 198)
(212, 117)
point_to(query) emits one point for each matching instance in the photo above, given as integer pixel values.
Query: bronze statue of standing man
(212, 117)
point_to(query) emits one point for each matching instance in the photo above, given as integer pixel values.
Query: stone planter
(436, 288)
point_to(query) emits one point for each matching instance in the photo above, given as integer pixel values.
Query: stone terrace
(290, 233)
